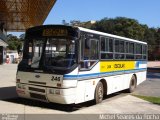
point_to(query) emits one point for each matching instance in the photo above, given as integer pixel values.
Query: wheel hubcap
(100, 93)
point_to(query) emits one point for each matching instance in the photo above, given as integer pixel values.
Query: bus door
(89, 57)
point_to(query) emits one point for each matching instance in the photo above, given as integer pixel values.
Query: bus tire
(99, 92)
(133, 84)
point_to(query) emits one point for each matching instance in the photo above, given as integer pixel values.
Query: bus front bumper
(46, 94)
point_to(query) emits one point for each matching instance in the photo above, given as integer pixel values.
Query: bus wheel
(99, 92)
(133, 84)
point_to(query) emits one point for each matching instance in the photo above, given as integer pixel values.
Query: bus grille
(33, 82)
(37, 89)
(38, 96)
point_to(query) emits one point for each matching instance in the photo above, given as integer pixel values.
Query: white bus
(71, 65)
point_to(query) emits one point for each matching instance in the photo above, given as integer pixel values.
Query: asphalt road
(151, 87)
(118, 103)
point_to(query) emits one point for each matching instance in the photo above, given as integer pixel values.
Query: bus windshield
(51, 52)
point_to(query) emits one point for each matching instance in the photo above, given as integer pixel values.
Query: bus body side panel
(144, 76)
(127, 78)
(85, 90)
(141, 77)
(114, 83)
(87, 81)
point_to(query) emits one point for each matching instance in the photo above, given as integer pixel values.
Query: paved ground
(151, 87)
(117, 103)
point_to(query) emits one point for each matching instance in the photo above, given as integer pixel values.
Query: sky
(145, 11)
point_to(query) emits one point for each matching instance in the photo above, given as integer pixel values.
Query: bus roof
(109, 35)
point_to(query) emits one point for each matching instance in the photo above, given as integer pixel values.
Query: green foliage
(121, 26)
(13, 42)
(154, 100)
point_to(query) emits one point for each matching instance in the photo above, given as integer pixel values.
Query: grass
(154, 100)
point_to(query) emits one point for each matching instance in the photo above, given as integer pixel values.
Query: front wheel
(99, 92)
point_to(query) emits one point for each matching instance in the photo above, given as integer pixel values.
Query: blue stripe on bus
(102, 73)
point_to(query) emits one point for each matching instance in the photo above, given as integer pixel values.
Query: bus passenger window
(102, 44)
(116, 45)
(129, 50)
(106, 55)
(94, 50)
(106, 48)
(144, 52)
(138, 51)
(86, 54)
(119, 50)
(110, 45)
(119, 56)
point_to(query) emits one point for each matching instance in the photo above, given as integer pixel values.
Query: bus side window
(94, 50)
(89, 52)
(138, 51)
(106, 48)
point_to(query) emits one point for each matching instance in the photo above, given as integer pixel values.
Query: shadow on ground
(8, 94)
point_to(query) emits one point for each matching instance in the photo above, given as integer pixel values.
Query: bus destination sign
(49, 32)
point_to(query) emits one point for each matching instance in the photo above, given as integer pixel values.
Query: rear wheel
(133, 84)
(99, 92)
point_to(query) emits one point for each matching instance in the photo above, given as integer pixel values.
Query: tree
(13, 42)
(121, 26)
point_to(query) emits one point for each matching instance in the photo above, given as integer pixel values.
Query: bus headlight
(51, 91)
(54, 91)
(57, 92)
